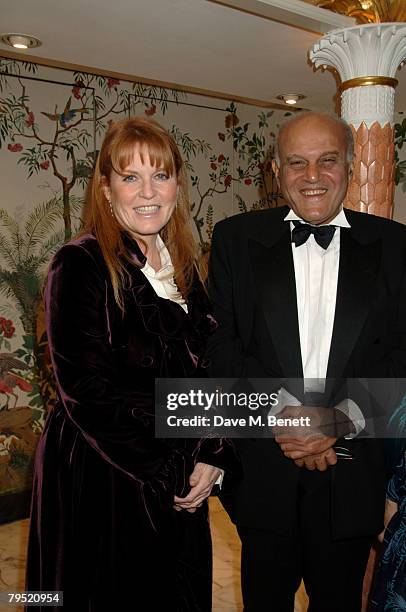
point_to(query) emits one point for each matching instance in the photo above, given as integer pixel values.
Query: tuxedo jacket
(253, 290)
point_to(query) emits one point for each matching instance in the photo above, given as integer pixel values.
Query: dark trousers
(272, 565)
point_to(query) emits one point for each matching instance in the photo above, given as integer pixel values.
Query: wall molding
(294, 13)
(221, 95)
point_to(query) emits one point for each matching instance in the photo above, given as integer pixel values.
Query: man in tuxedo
(309, 292)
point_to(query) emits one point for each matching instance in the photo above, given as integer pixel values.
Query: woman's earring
(111, 206)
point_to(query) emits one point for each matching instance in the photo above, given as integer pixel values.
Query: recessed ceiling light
(20, 41)
(290, 98)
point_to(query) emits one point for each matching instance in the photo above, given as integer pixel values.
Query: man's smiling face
(314, 171)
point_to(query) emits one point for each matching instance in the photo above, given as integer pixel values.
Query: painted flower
(30, 119)
(76, 92)
(150, 110)
(7, 327)
(247, 181)
(221, 136)
(45, 164)
(15, 148)
(227, 180)
(22, 384)
(213, 166)
(76, 89)
(112, 82)
(221, 158)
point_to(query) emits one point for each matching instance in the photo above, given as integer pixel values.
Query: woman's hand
(201, 480)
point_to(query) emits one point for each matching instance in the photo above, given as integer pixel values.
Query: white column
(367, 58)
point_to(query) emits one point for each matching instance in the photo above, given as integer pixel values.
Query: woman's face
(143, 198)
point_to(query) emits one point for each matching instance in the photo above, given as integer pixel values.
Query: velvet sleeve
(116, 424)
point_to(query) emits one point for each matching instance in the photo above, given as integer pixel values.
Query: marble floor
(226, 582)
(13, 545)
(226, 565)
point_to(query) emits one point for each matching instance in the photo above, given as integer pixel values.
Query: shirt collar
(166, 268)
(339, 220)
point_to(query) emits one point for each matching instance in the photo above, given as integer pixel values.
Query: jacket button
(147, 361)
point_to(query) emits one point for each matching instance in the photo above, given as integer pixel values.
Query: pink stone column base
(372, 186)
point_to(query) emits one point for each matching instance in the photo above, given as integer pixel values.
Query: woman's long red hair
(116, 153)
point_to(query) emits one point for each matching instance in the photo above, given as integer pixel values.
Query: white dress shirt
(316, 276)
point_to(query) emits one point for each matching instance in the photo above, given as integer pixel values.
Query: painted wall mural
(400, 159)
(52, 122)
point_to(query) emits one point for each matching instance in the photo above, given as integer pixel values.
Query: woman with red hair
(119, 517)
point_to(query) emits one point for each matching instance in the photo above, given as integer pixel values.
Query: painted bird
(67, 115)
(9, 380)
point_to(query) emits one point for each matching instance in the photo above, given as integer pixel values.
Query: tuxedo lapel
(358, 270)
(275, 280)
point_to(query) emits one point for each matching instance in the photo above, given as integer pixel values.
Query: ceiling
(194, 43)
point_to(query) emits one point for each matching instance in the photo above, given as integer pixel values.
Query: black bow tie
(323, 234)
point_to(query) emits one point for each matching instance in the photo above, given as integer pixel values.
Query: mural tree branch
(72, 133)
(255, 150)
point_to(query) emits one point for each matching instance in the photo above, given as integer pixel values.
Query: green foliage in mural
(254, 145)
(113, 103)
(153, 97)
(73, 132)
(70, 141)
(14, 67)
(26, 251)
(400, 168)
(190, 147)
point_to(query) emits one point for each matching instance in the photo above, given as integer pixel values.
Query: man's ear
(275, 169)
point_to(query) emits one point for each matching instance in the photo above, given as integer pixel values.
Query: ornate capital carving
(366, 50)
(366, 58)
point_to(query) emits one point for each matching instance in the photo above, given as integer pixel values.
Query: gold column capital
(367, 11)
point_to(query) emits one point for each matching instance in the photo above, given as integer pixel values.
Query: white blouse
(162, 280)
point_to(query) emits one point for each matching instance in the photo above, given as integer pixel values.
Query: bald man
(311, 292)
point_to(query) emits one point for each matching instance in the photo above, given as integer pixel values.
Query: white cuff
(284, 399)
(354, 414)
(219, 480)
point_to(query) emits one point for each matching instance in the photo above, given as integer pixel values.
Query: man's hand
(318, 462)
(201, 480)
(308, 421)
(309, 437)
(299, 448)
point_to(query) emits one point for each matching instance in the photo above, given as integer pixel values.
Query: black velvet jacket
(99, 468)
